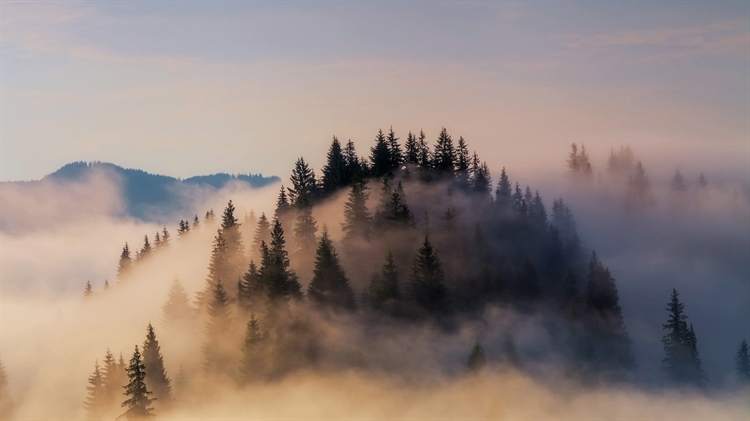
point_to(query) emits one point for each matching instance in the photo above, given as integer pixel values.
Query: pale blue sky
(185, 88)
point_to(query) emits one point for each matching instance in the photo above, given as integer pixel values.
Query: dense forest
(427, 239)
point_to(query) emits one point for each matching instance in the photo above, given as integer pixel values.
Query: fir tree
(639, 195)
(444, 157)
(282, 205)
(251, 288)
(6, 402)
(157, 241)
(357, 218)
(304, 233)
(138, 402)
(177, 311)
(279, 281)
(235, 249)
(481, 180)
(114, 377)
(620, 163)
(354, 169)
(210, 216)
(477, 361)
(380, 156)
(304, 184)
(383, 291)
(262, 234)
(95, 403)
(196, 222)
(742, 363)
(88, 292)
(329, 286)
(425, 156)
(681, 363)
(394, 213)
(156, 375)
(463, 162)
(412, 149)
(146, 249)
(165, 237)
(395, 156)
(217, 358)
(426, 286)
(503, 194)
(252, 357)
(125, 265)
(335, 167)
(183, 228)
(218, 267)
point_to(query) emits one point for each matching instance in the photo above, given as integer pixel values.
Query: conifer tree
(357, 218)
(503, 194)
(218, 267)
(335, 167)
(304, 185)
(210, 216)
(462, 165)
(394, 213)
(742, 362)
(605, 315)
(380, 156)
(282, 205)
(125, 265)
(183, 228)
(620, 163)
(444, 157)
(156, 375)
(383, 291)
(395, 156)
(329, 287)
(262, 234)
(280, 282)
(412, 149)
(138, 403)
(113, 379)
(639, 195)
(574, 165)
(304, 234)
(528, 288)
(565, 224)
(88, 292)
(481, 180)
(681, 363)
(251, 288)
(177, 311)
(426, 286)
(95, 398)
(235, 249)
(6, 402)
(218, 360)
(180, 383)
(354, 169)
(196, 222)
(106, 285)
(538, 213)
(165, 237)
(678, 183)
(425, 155)
(252, 353)
(146, 249)
(477, 361)
(157, 241)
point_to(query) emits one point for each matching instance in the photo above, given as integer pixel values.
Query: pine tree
(503, 194)
(95, 399)
(394, 212)
(304, 234)
(235, 249)
(165, 237)
(380, 156)
(196, 222)
(463, 162)
(354, 170)
(156, 375)
(218, 360)
(681, 363)
(335, 168)
(639, 196)
(329, 287)
(184, 228)
(279, 281)
(565, 224)
(620, 163)
(304, 184)
(477, 361)
(357, 218)
(574, 165)
(251, 289)
(252, 353)
(87, 291)
(444, 157)
(742, 363)
(395, 156)
(425, 156)
(426, 286)
(412, 149)
(157, 241)
(138, 403)
(6, 402)
(383, 291)
(146, 249)
(210, 217)
(481, 180)
(605, 316)
(282, 205)
(114, 377)
(218, 267)
(125, 265)
(262, 234)
(177, 311)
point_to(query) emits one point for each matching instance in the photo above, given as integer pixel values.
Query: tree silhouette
(218, 359)
(357, 218)
(95, 403)
(426, 286)
(252, 353)
(477, 360)
(742, 362)
(334, 171)
(329, 287)
(383, 291)
(156, 375)
(138, 403)
(380, 156)
(444, 156)
(125, 265)
(681, 363)
(177, 311)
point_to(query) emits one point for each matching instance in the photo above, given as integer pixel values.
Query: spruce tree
(280, 282)
(681, 363)
(304, 234)
(88, 292)
(503, 194)
(477, 361)
(156, 375)
(412, 149)
(425, 155)
(282, 205)
(262, 234)
(742, 363)
(444, 157)
(354, 169)
(95, 403)
(329, 287)
(157, 241)
(218, 360)
(146, 249)
(382, 293)
(395, 156)
(463, 162)
(177, 311)
(304, 185)
(138, 402)
(235, 249)
(481, 180)
(218, 267)
(183, 228)
(6, 402)
(196, 222)
(335, 168)
(426, 286)
(380, 156)
(639, 195)
(251, 289)
(114, 377)
(357, 218)
(125, 265)
(394, 212)
(252, 353)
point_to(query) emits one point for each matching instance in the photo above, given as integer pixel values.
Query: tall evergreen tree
(357, 218)
(251, 289)
(196, 222)
(742, 362)
(425, 155)
(125, 265)
(639, 195)
(681, 363)
(235, 249)
(411, 155)
(146, 249)
(177, 311)
(444, 157)
(218, 267)
(88, 292)
(383, 291)
(329, 287)
(334, 171)
(426, 286)
(95, 403)
(156, 375)
(157, 241)
(304, 184)
(354, 169)
(183, 228)
(218, 359)
(252, 352)
(114, 378)
(380, 156)
(262, 234)
(280, 282)
(138, 402)
(395, 155)
(394, 212)
(462, 165)
(503, 194)
(165, 237)
(481, 180)
(477, 360)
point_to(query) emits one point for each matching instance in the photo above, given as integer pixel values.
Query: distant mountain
(150, 196)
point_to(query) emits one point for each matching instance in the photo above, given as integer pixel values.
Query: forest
(427, 242)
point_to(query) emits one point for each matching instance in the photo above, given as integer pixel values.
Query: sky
(188, 88)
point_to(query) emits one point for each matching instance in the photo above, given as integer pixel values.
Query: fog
(55, 238)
